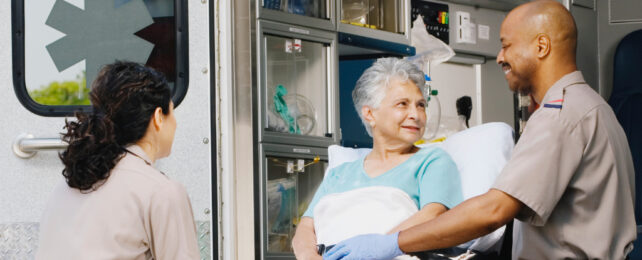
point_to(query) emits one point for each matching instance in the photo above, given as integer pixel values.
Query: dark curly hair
(123, 97)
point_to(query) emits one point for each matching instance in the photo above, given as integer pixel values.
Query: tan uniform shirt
(573, 170)
(138, 213)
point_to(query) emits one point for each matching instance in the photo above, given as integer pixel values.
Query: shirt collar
(556, 91)
(134, 148)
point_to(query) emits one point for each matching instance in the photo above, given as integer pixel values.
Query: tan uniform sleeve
(172, 222)
(543, 162)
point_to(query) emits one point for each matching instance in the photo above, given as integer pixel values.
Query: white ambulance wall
(454, 81)
(27, 183)
(190, 162)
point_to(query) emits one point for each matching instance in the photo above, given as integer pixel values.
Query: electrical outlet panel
(466, 30)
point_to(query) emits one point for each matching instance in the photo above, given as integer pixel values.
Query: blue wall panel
(353, 132)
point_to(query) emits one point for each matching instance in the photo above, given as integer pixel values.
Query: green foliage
(63, 93)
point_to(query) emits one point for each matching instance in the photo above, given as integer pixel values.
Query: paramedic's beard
(524, 90)
(517, 82)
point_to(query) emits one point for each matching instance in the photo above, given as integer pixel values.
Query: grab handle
(26, 145)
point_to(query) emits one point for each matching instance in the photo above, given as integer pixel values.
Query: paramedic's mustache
(518, 83)
(506, 68)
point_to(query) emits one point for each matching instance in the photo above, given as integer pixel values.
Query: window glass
(291, 184)
(312, 8)
(375, 14)
(66, 42)
(297, 83)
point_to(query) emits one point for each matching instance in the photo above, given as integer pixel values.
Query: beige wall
(454, 81)
(485, 84)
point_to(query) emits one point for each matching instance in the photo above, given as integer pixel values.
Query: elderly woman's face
(401, 116)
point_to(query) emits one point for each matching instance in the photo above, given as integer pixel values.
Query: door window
(60, 45)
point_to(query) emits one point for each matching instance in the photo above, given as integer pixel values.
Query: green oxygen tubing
(282, 109)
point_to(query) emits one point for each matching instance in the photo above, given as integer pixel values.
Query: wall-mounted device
(436, 18)
(466, 30)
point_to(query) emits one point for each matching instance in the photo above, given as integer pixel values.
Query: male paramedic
(570, 181)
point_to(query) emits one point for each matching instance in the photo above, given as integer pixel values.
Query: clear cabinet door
(296, 86)
(291, 184)
(386, 15)
(311, 8)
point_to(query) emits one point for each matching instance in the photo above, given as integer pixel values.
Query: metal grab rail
(26, 145)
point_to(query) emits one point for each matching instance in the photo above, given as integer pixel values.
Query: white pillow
(338, 155)
(480, 154)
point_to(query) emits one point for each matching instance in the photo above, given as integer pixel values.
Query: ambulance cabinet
(292, 176)
(317, 14)
(297, 88)
(375, 19)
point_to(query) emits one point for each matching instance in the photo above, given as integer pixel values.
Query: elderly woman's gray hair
(371, 86)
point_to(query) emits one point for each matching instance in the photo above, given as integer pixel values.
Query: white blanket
(340, 216)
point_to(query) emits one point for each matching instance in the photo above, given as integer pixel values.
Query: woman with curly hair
(114, 204)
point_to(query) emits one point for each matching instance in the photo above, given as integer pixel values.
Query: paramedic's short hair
(371, 86)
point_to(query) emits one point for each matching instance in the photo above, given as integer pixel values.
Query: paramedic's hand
(371, 246)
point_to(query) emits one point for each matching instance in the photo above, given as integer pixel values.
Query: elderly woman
(113, 203)
(389, 99)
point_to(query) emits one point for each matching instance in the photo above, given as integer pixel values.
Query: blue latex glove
(371, 246)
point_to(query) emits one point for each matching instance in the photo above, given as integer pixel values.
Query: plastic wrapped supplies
(429, 49)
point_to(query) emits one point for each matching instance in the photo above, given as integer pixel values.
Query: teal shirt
(428, 176)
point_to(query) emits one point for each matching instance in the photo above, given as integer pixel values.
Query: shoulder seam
(584, 115)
